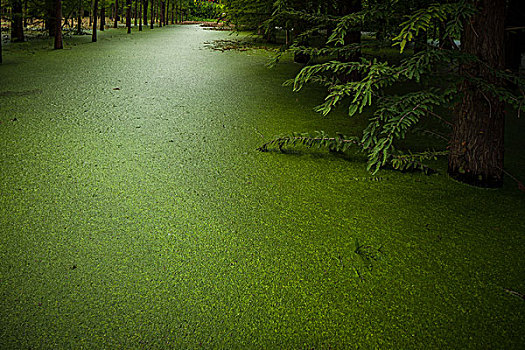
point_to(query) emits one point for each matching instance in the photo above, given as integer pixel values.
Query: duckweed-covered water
(136, 213)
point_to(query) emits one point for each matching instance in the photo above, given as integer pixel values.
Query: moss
(143, 217)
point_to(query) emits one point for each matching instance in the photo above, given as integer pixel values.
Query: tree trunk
(115, 17)
(58, 25)
(159, 13)
(152, 14)
(79, 18)
(476, 147)
(145, 13)
(140, 15)
(17, 21)
(95, 10)
(50, 17)
(102, 15)
(136, 10)
(172, 11)
(128, 15)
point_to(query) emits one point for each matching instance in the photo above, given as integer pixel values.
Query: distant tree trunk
(172, 12)
(145, 12)
(79, 18)
(476, 147)
(163, 12)
(95, 10)
(102, 15)
(50, 17)
(135, 14)
(128, 15)
(140, 16)
(152, 14)
(167, 11)
(159, 13)
(17, 21)
(514, 35)
(115, 17)
(58, 23)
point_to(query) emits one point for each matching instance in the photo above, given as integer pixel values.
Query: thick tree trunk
(95, 10)
(58, 25)
(17, 21)
(476, 146)
(128, 15)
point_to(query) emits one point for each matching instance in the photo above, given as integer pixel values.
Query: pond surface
(135, 212)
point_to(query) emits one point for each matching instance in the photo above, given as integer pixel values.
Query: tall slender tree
(58, 23)
(95, 10)
(145, 4)
(116, 16)
(140, 15)
(102, 15)
(152, 14)
(17, 21)
(128, 15)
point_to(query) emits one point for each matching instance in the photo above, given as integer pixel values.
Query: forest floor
(136, 213)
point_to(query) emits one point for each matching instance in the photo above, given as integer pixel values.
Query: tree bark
(95, 10)
(476, 147)
(17, 21)
(58, 25)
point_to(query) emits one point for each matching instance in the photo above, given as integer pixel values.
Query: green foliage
(434, 72)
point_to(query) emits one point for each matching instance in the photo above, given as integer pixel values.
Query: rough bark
(476, 146)
(95, 10)
(58, 25)
(17, 21)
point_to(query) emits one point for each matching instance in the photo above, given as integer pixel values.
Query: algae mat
(135, 213)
